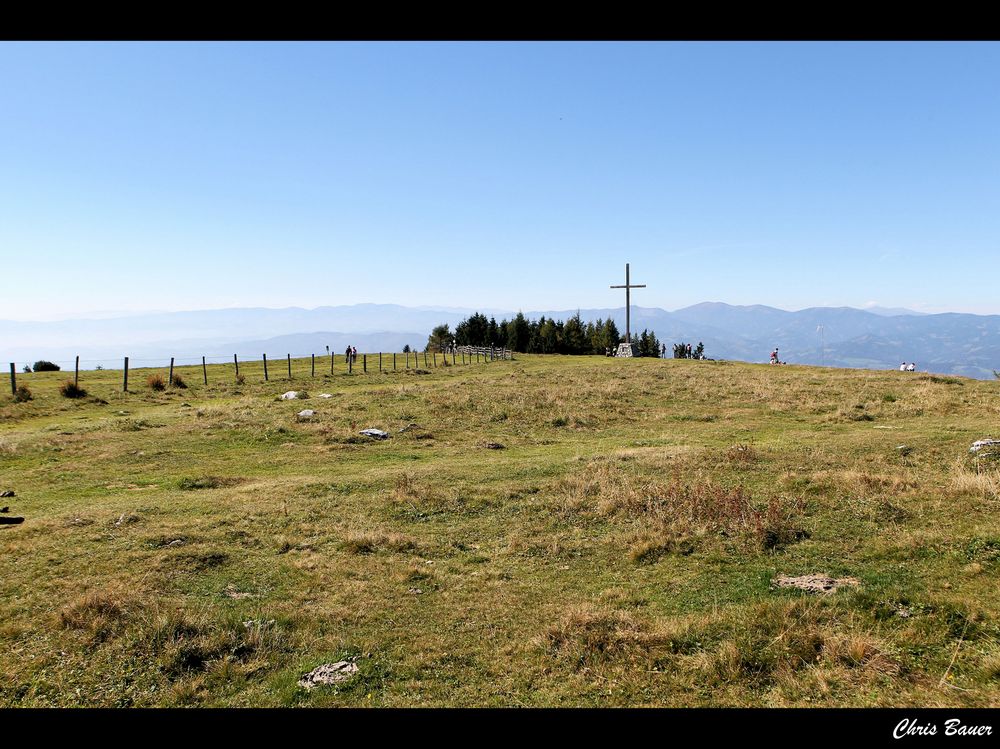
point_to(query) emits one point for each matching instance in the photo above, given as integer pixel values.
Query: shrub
(27, 369)
(178, 382)
(23, 394)
(156, 382)
(71, 390)
(45, 366)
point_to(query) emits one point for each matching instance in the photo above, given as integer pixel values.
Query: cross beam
(628, 303)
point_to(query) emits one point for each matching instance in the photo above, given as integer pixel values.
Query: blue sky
(160, 176)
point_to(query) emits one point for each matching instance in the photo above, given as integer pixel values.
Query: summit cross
(628, 303)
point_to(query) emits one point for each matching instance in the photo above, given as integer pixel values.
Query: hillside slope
(207, 546)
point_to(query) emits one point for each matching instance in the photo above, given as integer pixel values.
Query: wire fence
(282, 366)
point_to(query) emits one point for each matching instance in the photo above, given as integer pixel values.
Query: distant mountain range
(876, 338)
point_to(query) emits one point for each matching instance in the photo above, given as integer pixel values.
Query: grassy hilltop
(204, 546)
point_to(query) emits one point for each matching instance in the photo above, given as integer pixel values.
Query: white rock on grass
(290, 395)
(980, 444)
(325, 395)
(328, 673)
(377, 434)
(306, 414)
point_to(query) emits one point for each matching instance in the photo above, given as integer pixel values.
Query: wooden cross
(628, 300)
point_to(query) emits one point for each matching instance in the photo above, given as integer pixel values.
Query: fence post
(331, 361)
(265, 367)
(13, 380)
(379, 361)
(453, 357)
(313, 365)
(204, 370)
(425, 358)
(393, 361)
(364, 363)
(289, 366)
(76, 376)
(435, 355)
(350, 364)
(170, 379)
(237, 363)
(125, 381)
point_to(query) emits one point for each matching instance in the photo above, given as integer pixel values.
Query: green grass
(201, 546)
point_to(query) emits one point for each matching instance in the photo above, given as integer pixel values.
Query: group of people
(911, 367)
(774, 357)
(352, 354)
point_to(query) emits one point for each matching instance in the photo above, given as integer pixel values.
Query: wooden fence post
(13, 380)
(204, 370)
(425, 358)
(364, 363)
(331, 361)
(435, 355)
(237, 363)
(453, 357)
(350, 364)
(289, 366)
(125, 381)
(76, 376)
(379, 361)
(265, 367)
(314, 365)
(393, 361)
(170, 379)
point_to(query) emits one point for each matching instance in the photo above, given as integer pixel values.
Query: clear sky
(164, 176)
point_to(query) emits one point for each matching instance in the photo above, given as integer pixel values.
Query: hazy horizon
(118, 314)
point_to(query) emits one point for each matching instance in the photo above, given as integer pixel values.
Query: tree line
(541, 336)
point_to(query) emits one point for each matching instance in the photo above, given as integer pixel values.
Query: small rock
(290, 395)
(307, 413)
(328, 673)
(7, 493)
(377, 434)
(176, 542)
(980, 444)
(325, 395)
(4, 509)
(904, 450)
(494, 446)
(814, 583)
(414, 591)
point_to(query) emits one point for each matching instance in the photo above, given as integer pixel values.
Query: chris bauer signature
(952, 727)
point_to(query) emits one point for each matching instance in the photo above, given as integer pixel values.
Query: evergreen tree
(699, 352)
(654, 345)
(439, 338)
(573, 332)
(644, 343)
(611, 334)
(518, 332)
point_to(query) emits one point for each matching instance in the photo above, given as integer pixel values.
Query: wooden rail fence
(454, 356)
